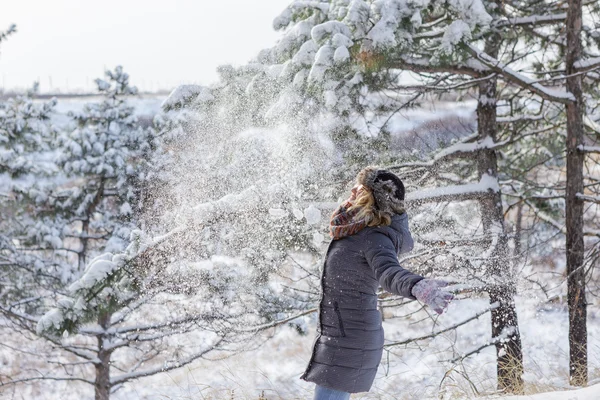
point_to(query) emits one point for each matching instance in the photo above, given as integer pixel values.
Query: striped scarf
(342, 222)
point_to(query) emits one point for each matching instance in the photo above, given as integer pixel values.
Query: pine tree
(25, 136)
(80, 211)
(105, 156)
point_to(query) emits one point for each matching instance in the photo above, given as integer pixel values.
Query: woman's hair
(365, 203)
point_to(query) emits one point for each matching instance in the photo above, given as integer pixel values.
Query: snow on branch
(144, 328)
(591, 232)
(589, 149)
(136, 339)
(591, 199)
(457, 150)
(533, 20)
(19, 315)
(111, 268)
(513, 76)
(587, 65)
(185, 94)
(546, 218)
(284, 19)
(204, 212)
(328, 29)
(471, 191)
(591, 124)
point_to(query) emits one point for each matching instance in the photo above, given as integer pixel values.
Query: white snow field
(416, 371)
(588, 393)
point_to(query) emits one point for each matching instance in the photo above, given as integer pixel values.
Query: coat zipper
(336, 307)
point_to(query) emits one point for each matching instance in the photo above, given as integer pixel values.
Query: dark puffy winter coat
(349, 343)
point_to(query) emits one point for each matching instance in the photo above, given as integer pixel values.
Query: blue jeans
(323, 393)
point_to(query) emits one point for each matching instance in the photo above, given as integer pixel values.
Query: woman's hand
(430, 292)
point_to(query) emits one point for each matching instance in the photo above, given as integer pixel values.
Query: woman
(369, 230)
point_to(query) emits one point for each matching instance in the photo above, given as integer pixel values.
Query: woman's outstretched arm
(381, 256)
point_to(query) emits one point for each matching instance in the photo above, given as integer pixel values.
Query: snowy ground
(417, 371)
(589, 393)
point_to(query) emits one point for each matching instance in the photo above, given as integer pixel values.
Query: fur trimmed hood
(387, 189)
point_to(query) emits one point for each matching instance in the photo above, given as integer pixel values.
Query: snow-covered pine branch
(533, 20)
(186, 94)
(520, 80)
(25, 132)
(471, 191)
(465, 148)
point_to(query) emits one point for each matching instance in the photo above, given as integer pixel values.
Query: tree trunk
(574, 205)
(503, 288)
(85, 231)
(102, 383)
(84, 243)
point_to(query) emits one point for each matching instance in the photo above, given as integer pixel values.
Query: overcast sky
(66, 44)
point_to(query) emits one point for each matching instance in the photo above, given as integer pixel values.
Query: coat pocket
(336, 307)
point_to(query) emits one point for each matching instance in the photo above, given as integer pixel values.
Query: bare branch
(443, 88)
(508, 119)
(499, 339)
(44, 377)
(18, 315)
(473, 68)
(173, 365)
(450, 328)
(277, 323)
(143, 328)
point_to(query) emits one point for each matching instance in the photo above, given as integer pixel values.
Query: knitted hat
(387, 189)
